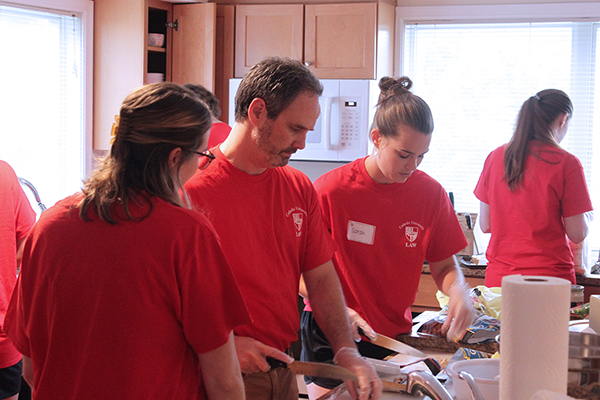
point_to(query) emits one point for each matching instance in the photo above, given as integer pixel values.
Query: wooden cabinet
(157, 60)
(336, 41)
(122, 57)
(267, 30)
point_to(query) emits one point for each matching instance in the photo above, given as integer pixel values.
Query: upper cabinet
(123, 59)
(336, 41)
(194, 44)
(267, 30)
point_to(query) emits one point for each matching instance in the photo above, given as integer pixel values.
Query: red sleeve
(481, 188)
(211, 300)
(576, 197)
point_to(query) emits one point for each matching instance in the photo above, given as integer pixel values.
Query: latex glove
(356, 321)
(369, 384)
(253, 354)
(460, 311)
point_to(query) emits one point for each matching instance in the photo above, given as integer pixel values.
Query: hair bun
(390, 86)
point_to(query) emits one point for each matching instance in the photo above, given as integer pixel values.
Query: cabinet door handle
(308, 63)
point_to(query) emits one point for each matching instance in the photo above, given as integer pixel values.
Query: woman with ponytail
(124, 292)
(387, 218)
(533, 195)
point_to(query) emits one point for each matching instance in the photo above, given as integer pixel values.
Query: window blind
(42, 104)
(476, 76)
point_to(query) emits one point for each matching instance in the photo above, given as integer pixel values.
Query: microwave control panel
(350, 123)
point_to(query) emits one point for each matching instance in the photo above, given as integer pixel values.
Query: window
(46, 88)
(475, 73)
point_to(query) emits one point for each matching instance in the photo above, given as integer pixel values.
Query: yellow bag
(485, 300)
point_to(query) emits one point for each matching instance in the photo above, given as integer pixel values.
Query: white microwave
(342, 131)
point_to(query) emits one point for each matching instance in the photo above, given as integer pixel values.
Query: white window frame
(490, 14)
(86, 9)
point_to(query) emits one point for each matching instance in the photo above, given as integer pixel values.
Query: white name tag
(362, 233)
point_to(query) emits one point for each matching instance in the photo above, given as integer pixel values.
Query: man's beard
(274, 157)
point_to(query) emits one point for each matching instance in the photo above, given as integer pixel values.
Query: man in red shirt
(268, 218)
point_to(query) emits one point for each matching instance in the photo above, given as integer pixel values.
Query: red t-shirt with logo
(383, 234)
(271, 229)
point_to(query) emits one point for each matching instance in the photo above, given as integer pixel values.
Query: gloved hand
(369, 384)
(253, 354)
(356, 321)
(460, 311)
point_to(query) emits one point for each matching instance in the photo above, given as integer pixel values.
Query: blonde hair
(154, 120)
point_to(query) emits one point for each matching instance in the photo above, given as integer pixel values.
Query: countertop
(585, 280)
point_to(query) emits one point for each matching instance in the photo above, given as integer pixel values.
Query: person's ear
(564, 119)
(257, 112)
(175, 158)
(375, 137)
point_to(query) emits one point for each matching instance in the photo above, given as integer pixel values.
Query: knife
(321, 370)
(395, 345)
(413, 384)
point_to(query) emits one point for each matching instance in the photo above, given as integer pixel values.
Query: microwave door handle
(327, 122)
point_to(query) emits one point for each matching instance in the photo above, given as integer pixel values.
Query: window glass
(42, 102)
(476, 76)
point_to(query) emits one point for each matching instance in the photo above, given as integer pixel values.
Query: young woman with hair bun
(533, 195)
(124, 292)
(387, 218)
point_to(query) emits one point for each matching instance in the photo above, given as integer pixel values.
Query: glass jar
(576, 295)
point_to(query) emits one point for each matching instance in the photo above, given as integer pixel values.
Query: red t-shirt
(383, 234)
(271, 230)
(121, 311)
(528, 234)
(16, 218)
(218, 133)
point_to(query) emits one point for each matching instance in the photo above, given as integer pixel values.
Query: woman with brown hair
(116, 298)
(386, 218)
(533, 195)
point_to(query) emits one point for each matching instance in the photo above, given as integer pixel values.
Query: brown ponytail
(534, 122)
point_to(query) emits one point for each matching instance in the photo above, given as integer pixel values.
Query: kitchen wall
(314, 169)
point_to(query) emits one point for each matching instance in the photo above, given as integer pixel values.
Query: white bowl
(155, 77)
(156, 39)
(486, 373)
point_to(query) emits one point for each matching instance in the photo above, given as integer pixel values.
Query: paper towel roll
(535, 336)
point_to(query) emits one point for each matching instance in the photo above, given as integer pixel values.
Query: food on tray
(483, 329)
(580, 312)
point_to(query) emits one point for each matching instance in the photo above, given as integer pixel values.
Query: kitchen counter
(585, 280)
(476, 276)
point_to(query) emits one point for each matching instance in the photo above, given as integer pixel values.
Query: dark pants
(316, 348)
(10, 380)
